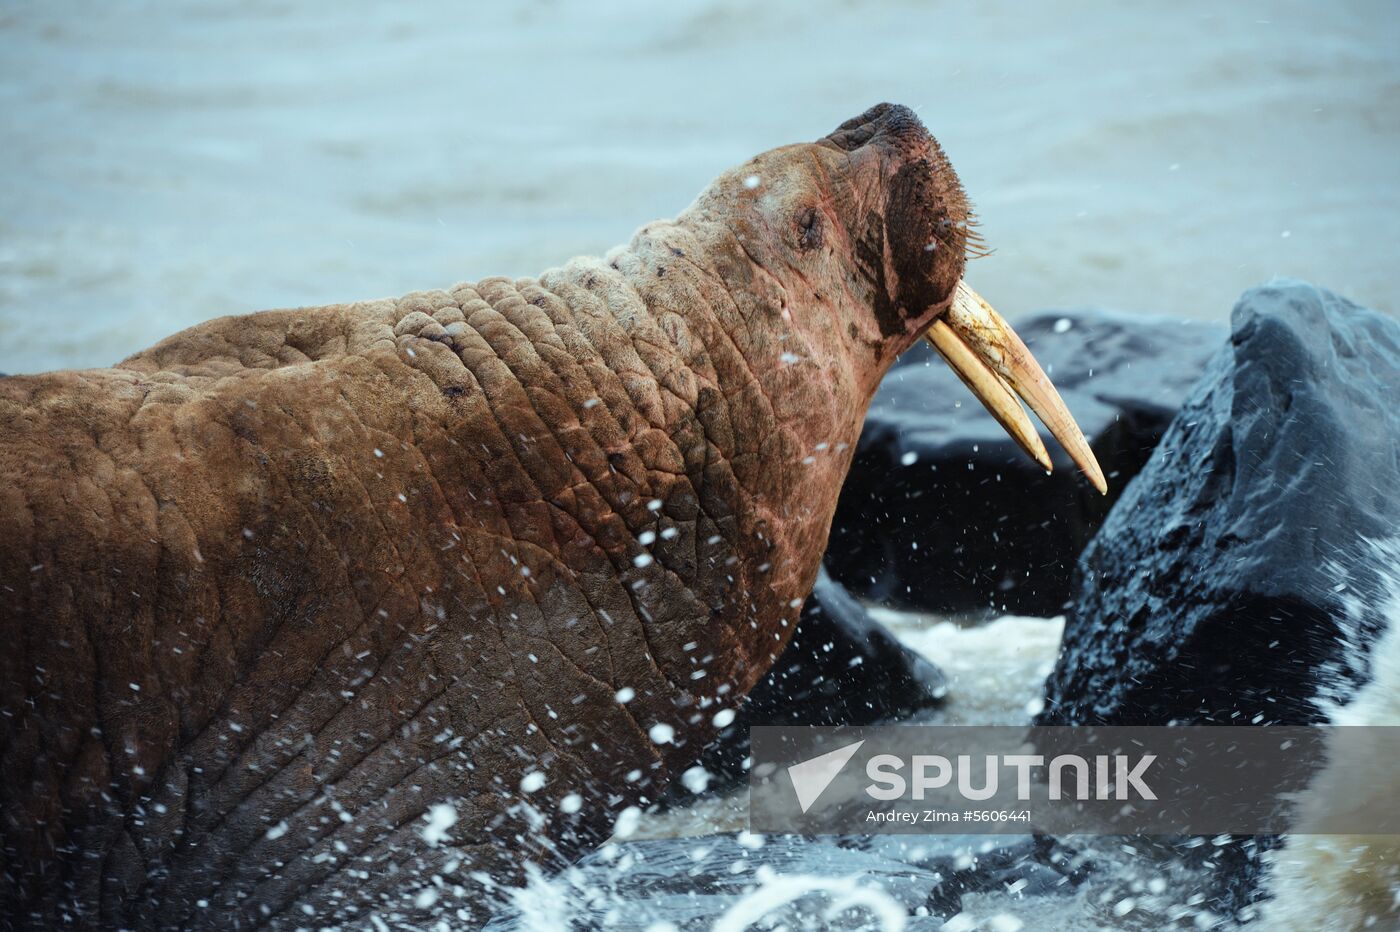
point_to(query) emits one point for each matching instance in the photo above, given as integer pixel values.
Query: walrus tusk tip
(993, 362)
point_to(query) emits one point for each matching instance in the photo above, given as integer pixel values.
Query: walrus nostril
(893, 122)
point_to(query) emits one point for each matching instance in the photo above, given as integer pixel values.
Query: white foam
(840, 895)
(1348, 881)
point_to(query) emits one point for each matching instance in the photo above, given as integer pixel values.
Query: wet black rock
(841, 667)
(943, 512)
(1232, 583)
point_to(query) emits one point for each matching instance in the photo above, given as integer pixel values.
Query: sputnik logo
(811, 777)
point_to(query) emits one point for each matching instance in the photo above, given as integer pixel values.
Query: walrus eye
(809, 228)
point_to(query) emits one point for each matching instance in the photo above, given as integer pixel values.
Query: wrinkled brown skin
(312, 571)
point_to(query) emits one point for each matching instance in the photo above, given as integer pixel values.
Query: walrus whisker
(991, 338)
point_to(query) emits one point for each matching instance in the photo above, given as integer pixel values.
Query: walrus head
(865, 233)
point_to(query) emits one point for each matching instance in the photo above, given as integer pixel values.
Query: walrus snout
(916, 221)
(893, 125)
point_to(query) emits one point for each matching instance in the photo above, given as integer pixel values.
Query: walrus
(343, 614)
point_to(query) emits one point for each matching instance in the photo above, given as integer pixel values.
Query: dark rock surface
(841, 667)
(1225, 585)
(942, 512)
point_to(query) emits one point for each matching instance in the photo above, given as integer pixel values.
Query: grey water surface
(164, 163)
